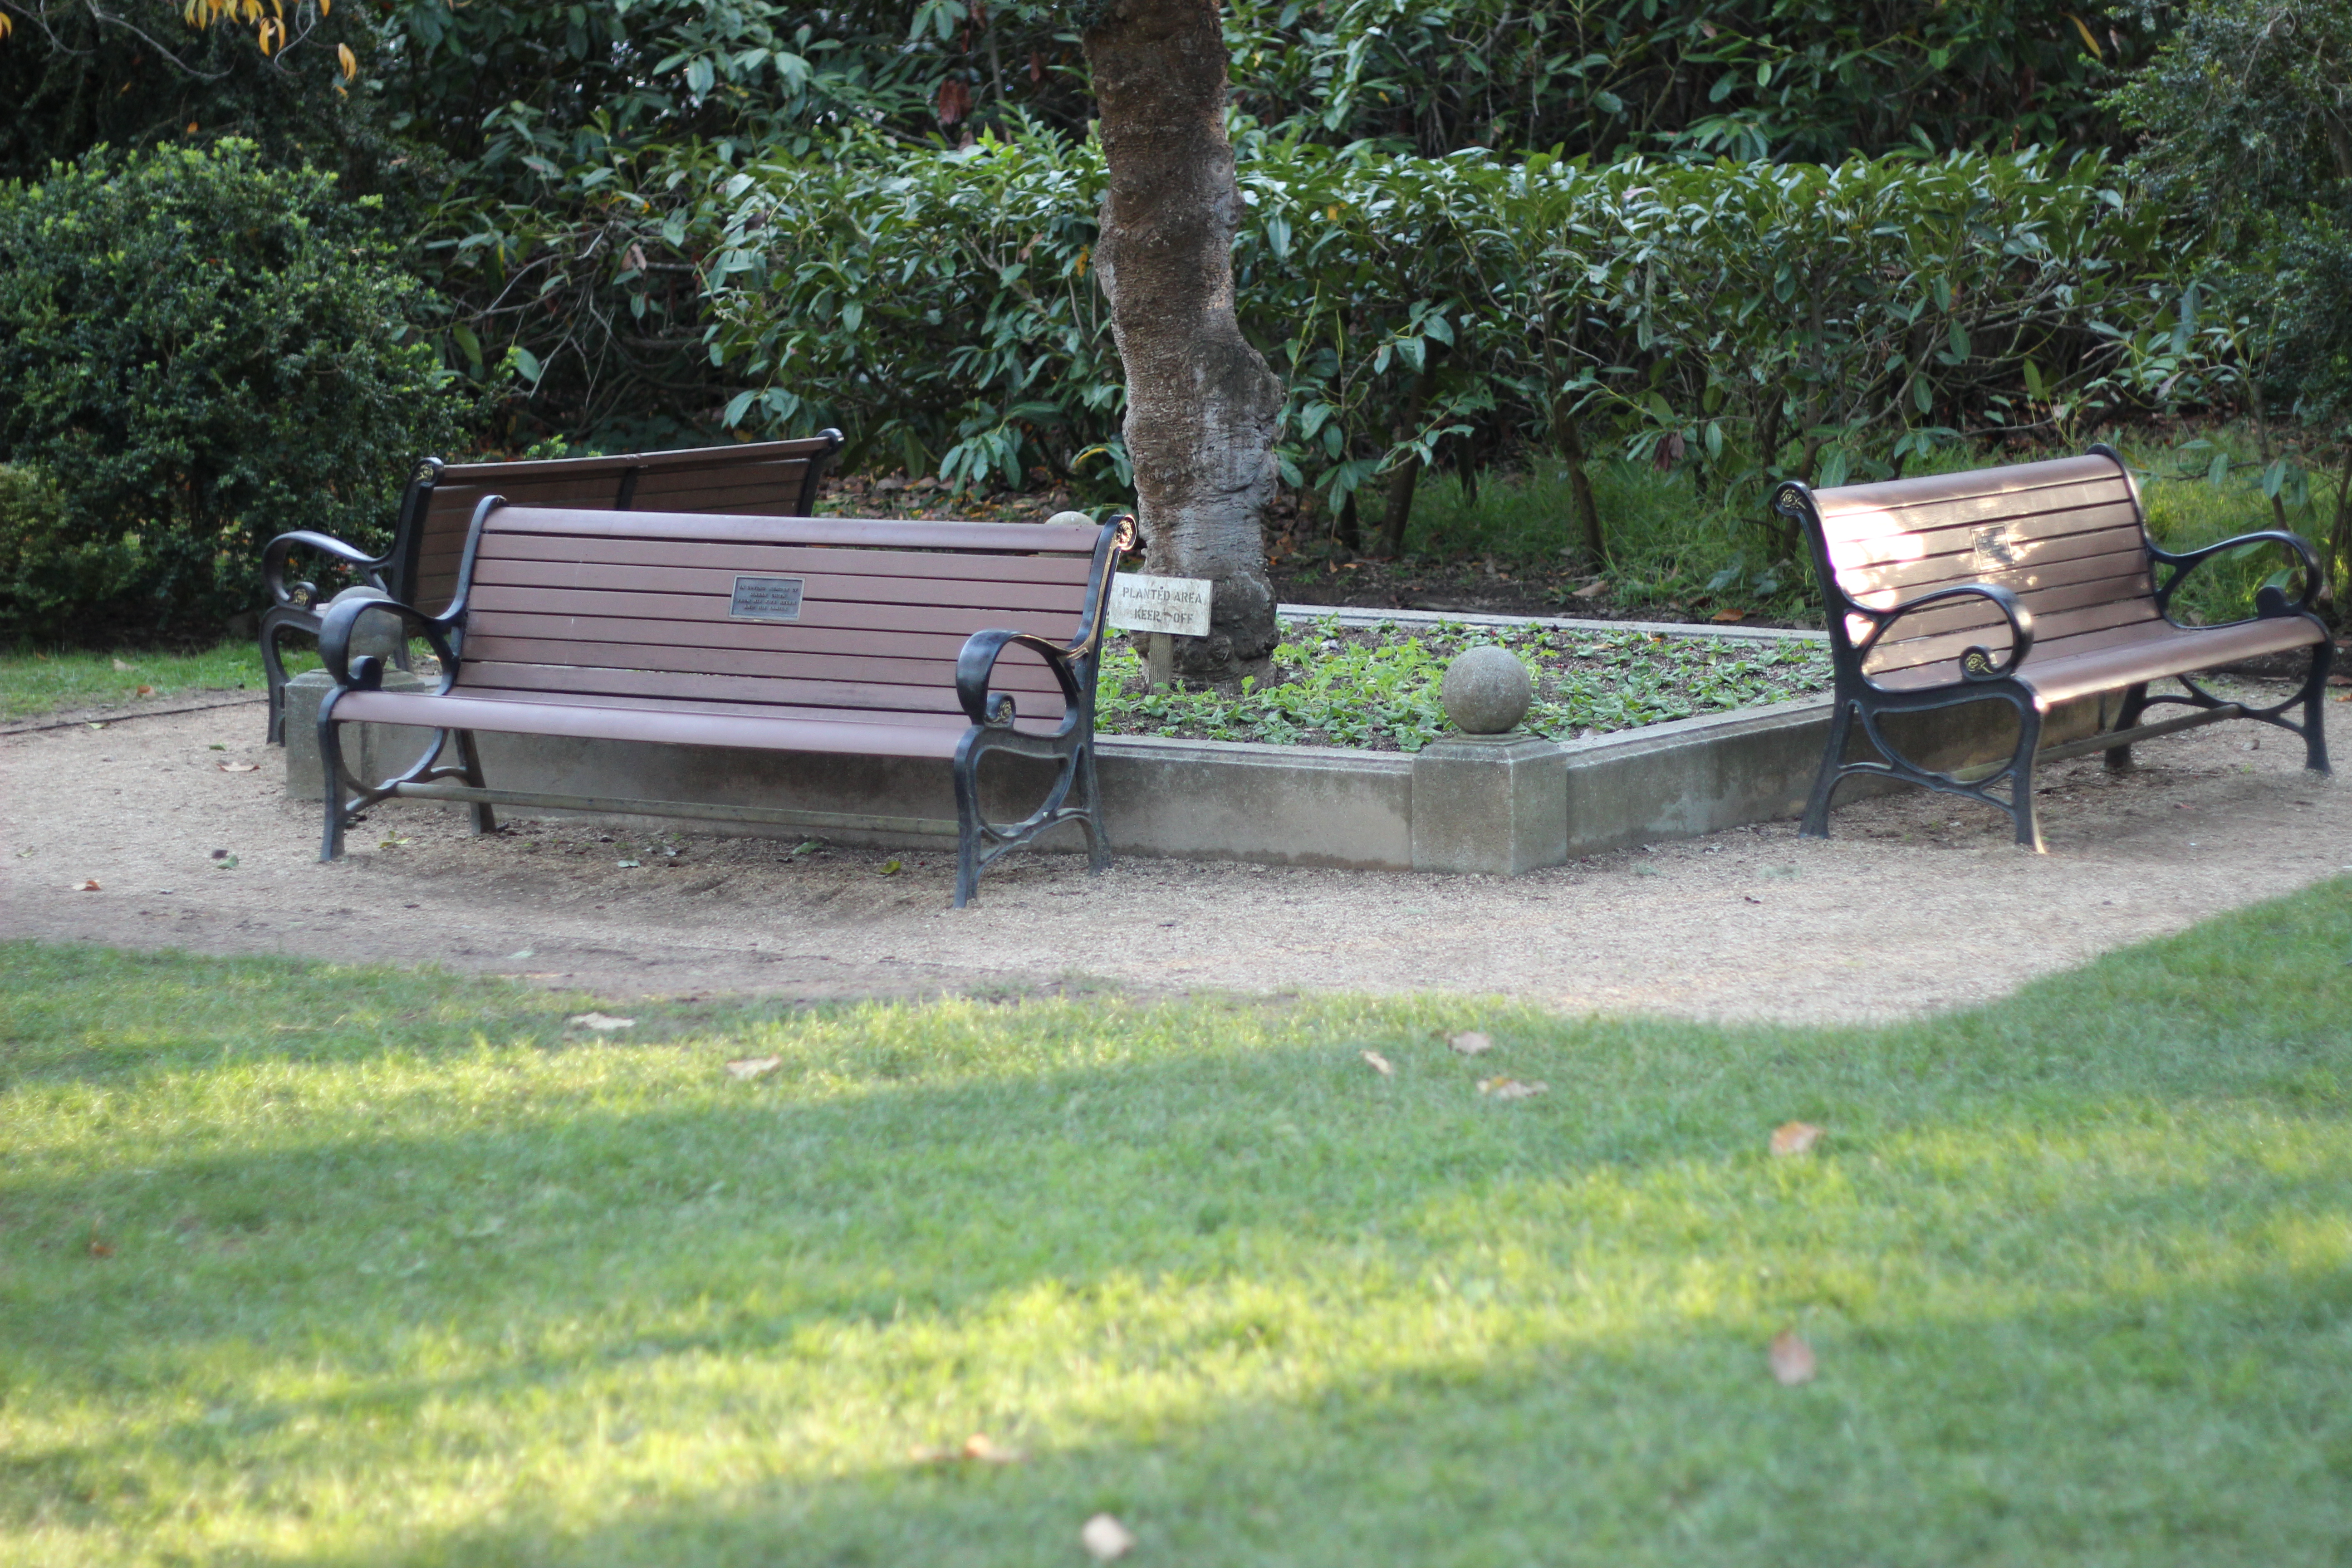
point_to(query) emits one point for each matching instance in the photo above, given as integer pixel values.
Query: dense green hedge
(198, 351)
(1734, 317)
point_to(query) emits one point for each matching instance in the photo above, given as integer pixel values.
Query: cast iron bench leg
(2314, 693)
(1817, 809)
(2020, 778)
(2119, 758)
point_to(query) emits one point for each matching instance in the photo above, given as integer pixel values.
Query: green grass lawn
(33, 682)
(304, 1265)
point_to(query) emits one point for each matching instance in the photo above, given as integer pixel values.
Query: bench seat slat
(2072, 671)
(1971, 511)
(1007, 538)
(1920, 573)
(1994, 636)
(683, 688)
(1018, 671)
(687, 458)
(1967, 485)
(779, 636)
(670, 725)
(2048, 602)
(867, 563)
(833, 586)
(1946, 539)
(777, 488)
(588, 605)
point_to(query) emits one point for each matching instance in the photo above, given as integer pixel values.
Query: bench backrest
(815, 618)
(761, 479)
(2067, 537)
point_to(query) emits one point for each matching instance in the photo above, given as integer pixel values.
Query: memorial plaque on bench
(766, 599)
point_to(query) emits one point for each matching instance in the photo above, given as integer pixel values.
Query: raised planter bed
(1503, 804)
(1371, 681)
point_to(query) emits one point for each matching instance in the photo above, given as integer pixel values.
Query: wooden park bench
(953, 640)
(2036, 585)
(764, 478)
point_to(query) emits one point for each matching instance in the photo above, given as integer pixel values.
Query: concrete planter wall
(1503, 804)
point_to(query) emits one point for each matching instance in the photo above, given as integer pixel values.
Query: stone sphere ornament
(1487, 690)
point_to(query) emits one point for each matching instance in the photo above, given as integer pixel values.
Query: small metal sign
(766, 599)
(1996, 547)
(1179, 605)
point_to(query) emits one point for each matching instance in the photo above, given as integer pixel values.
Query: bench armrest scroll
(274, 556)
(2268, 603)
(1976, 663)
(366, 672)
(977, 664)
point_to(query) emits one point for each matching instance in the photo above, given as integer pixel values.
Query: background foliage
(1736, 239)
(200, 352)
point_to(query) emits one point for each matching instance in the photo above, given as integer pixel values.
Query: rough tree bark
(1202, 405)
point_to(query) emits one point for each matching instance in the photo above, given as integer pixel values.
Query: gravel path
(1919, 903)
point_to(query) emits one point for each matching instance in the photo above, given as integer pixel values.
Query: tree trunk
(1405, 479)
(1202, 405)
(1568, 430)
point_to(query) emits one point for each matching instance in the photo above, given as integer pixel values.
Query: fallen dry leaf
(1593, 589)
(99, 1249)
(146, 691)
(1104, 1539)
(977, 1448)
(1727, 616)
(1510, 1088)
(1470, 1043)
(1379, 1064)
(239, 767)
(1793, 1359)
(87, 885)
(1795, 1137)
(121, 666)
(603, 1023)
(747, 1068)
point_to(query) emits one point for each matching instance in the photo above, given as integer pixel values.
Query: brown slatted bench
(953, 640)
(2034, 585)
(762, 478)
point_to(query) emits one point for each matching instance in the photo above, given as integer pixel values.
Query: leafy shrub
(45, 568)
(202, 353)
(1742, 322)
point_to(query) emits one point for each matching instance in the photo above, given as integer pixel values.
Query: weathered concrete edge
(1362, 616)
(1454, 807)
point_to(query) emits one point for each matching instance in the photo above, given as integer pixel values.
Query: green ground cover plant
(1379, 688)
(328, 1265)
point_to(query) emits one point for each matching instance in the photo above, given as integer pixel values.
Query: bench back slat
(762, 477)
(2065, 536)
(586, 604)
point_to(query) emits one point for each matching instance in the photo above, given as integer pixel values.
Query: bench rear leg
(2119, 758)
(470, 758)
(1816, 823)
(273, 671)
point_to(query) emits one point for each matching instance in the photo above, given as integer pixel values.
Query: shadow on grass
(2078, 1266)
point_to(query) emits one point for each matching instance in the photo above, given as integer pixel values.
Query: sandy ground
(1920, 902)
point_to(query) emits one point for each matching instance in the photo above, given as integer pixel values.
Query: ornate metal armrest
(274, 555)
(366, 672)
(2268, 603)
(1976, 663)
(977, 664)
